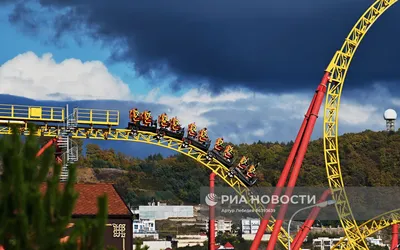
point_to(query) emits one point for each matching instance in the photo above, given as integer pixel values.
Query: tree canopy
(367, 158)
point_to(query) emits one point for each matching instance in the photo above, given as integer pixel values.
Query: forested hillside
(368, 159)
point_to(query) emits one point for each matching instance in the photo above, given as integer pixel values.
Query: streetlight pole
(320, 204)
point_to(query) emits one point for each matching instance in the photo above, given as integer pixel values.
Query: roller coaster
(101, 125)
(62, 126)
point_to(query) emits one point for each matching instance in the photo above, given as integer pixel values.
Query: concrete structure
(390, 116)
(163, 212)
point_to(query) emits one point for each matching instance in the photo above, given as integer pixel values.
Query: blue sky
(245, 72)
(15, 42)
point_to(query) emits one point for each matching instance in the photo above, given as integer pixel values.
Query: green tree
(138, 245)
(33, 220)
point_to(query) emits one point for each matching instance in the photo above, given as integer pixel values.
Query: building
(327, 243)
(227, 246)
(222, 226)
(376, 241)
(145, 228)
(250, 226)
(119, 225)
(163, 212)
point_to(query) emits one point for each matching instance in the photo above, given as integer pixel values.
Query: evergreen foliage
(31, 220)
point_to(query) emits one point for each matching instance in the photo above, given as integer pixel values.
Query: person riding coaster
(225, 156)
(171, 128)
(134, 115)
(203, 135)
(200, 141)
(249, 177)
(163, 120)
(219, 144)
(228, 152)
(175, 125)
(147, 119)
(251, 171)
(243, 163)
(192, 130)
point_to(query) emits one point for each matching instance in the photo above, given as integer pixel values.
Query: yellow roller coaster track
(372, 226)
(338, 68)
(50, 123)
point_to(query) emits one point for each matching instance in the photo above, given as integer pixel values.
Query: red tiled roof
(228, 245)
(87, 199)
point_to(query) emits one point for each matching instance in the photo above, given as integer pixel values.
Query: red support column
(305, 228)
(282, 179)
(211, 227)
(299, 159)
(395, 237)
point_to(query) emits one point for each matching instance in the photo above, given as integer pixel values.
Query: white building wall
(222, 226)
(144, 226)
(250, 226)
(157, 245)
(165, 212)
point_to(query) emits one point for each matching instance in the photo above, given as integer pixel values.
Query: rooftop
(87, 199)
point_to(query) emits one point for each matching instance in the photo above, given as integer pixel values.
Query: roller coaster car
(161, 132)
(189, 140)
(171, 128)
(247, 178)
(144, 123)
(135, 126)
(225, 156)
(198, 139)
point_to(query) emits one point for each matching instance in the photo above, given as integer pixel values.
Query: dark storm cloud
(264, 45)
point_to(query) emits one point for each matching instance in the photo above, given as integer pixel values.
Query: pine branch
(32, 220)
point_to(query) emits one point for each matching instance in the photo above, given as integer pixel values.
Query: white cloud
(277, 116)
(42, 78)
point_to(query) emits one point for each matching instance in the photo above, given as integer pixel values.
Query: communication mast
(390, 116)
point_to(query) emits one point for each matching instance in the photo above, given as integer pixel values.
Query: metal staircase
(69, 147)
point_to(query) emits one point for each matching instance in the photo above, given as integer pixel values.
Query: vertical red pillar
(299, 159)
(298, 145)
(211, 227)
(395, 237)
(282, 179)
